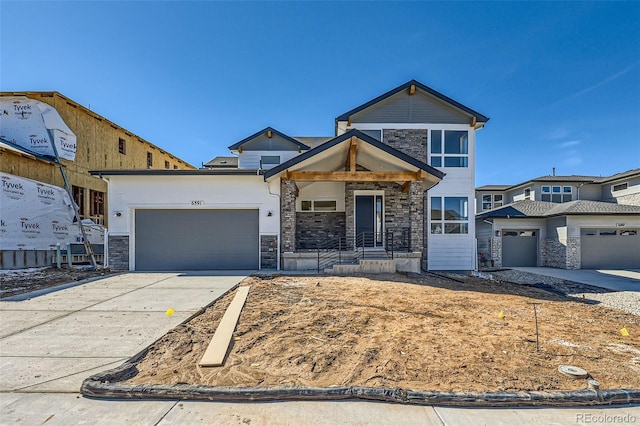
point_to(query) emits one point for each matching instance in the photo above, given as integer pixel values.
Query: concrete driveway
(617, 280)
(50, 344)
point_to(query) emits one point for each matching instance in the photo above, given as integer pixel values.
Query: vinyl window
(449, 148)
(556, 193)
(449, 215)
(318, 205)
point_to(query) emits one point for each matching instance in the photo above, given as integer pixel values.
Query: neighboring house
(100, 144)
(570, 222)
(400, 167)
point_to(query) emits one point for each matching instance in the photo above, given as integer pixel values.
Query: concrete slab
(618, 280)
(299, 413)
(12, 321)
(539, 416)
(199, 281)
(20, 372)
(160, 299)
(73, 382)
(100, 334)
(72, 409)
(71, 299)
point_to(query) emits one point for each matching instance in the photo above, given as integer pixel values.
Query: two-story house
(398, 174)
(570, 222)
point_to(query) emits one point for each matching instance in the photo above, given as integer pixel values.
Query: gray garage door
(174, 240)
(519, 248)
(610, 248)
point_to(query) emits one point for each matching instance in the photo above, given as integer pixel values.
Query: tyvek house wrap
(33, 124)
(37, 216)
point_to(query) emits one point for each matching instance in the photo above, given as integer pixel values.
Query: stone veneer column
(287, 216)
(496, 251)
(416, 212)
(268, 251)
(118, 252)
(573, 253)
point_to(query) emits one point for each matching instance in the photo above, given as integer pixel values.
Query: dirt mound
(421, 333)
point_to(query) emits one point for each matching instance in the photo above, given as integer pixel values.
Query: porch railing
(364, 245)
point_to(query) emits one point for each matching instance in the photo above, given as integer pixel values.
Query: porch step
(365, 266)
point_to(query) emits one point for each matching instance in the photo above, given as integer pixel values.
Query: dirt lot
(24, 281)
(420, 333)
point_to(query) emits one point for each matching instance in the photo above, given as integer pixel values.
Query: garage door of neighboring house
(610, 248)
(174, 240)
(519, 248)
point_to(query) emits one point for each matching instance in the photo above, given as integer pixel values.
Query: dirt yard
(420, 333)
(14, 282)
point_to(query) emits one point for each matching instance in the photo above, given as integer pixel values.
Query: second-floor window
(149, 160)
(269, 161)
(490, 201)
(556, 194)
(449, 148)
(122, 146)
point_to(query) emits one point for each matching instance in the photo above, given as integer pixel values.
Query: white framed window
(527, 193)
(449, 215)
(490, 201)
(449, 148)
(619, 187)
(556, 193)
(374, 133)
(318, 205)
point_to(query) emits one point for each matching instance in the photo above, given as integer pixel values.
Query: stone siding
(496, 251)
(119, 252)
(411, 142)
(313, 228)
(268, 251)
(573, 253)
(554, 254)
(287, 216)
(629, 200)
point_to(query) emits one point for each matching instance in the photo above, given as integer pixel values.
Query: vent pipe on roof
(554, 171)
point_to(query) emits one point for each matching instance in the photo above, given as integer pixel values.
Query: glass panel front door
(369, 220)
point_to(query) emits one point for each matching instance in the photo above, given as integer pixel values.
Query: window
(449, 215)
(269, 161)
(449, 148)
(377, 134)
(527, 193)
(122, 146)
(318, 205)
(556, 194)
(491, 201)
(149, 160)
(620, 187)
(78, 198)
(175, 167)
(96, 206)
(166, 165)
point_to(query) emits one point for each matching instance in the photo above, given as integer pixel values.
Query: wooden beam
(269, 134)
(473, 121)
(412, 90)
(405, 186)
(297, 191)
(217, 350)
(240, 149)
(363, 176)
(351, 156)
(285, 175)
(349, 121)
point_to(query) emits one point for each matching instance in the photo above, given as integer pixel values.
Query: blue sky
(560, 80)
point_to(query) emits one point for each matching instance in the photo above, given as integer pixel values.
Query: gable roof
(363, 137)
(262, 132)
(479, 117)
(544, 209)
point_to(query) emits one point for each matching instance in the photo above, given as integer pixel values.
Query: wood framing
(351, 156)
(358, 176)
(405, 186)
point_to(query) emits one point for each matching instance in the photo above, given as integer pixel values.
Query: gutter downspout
(279, 225)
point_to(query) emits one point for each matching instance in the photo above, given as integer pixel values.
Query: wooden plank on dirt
(217, 349)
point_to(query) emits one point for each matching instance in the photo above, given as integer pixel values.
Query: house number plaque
(197, 202)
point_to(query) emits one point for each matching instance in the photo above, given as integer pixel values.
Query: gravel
(627, 301)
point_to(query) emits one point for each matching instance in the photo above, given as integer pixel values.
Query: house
(569, 222)
(100, 143)
(398, 172)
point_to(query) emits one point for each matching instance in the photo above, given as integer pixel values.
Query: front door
(369, 219)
